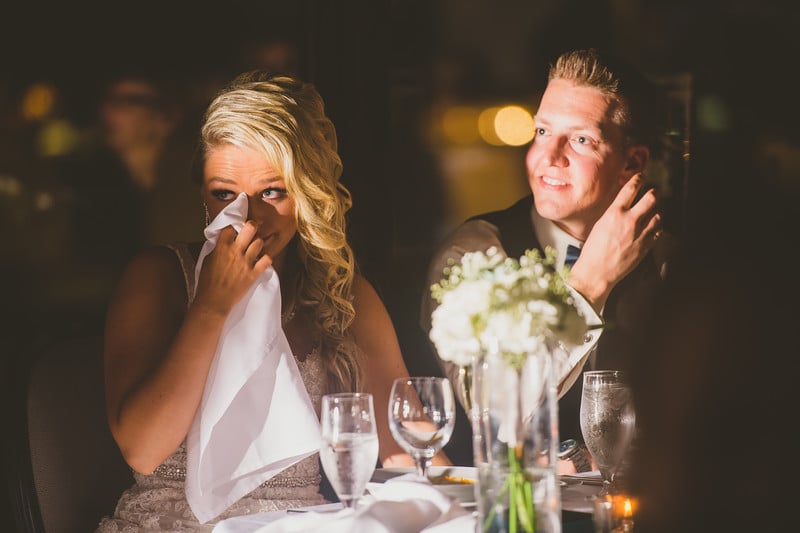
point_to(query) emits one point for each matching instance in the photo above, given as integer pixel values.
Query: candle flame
(627, 509)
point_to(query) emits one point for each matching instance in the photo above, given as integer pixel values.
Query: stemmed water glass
(349, 448)
(422, 417)
(607, 421)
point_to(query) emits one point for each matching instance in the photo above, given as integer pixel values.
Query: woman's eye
(274, 193)
(539, 131)
(222, 195)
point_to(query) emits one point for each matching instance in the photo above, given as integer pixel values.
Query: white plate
(464, 492)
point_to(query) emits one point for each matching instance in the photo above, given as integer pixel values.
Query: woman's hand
(231, 269)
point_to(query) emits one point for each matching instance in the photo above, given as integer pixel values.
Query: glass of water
(422, 417)
(607, 421)
(349, 448)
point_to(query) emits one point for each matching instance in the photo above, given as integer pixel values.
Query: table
(576, 513)
(576, 510)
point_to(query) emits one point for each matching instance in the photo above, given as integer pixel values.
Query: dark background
(381, 66)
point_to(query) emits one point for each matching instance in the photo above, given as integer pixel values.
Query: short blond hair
(636, 97)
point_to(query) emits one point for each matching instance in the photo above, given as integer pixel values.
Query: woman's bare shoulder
(153, 260)
(365, 294)
(155, 271)
(372, 316)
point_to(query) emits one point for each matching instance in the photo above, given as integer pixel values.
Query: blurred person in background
(128, 183)
(134, 150)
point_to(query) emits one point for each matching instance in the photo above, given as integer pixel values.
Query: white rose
(453, 322)
(453, 336)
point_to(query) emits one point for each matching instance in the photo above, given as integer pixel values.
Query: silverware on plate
(581, 480)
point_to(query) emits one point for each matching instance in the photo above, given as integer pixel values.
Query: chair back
(76, 468)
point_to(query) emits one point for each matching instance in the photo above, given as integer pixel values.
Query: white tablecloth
(400, 506)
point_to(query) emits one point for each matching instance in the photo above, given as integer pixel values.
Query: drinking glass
(422, 417)
(349, 449)
(607, 421)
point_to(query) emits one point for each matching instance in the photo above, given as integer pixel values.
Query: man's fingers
(628, 193)
(652, 229)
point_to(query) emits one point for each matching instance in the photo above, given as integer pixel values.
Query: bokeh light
(57, 137)
(38, 101)
(486, 126)
(513, 125)
(460, 125)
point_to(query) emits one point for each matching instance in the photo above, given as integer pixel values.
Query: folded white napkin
(240, 437)
(401, 505)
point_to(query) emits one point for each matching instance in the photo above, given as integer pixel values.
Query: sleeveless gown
(157, 502)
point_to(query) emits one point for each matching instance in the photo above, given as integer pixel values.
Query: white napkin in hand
(240, 437)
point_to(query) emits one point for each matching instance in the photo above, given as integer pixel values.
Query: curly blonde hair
(284, 119)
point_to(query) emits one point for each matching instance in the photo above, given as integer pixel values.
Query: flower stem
(520, 499)
(488, 522)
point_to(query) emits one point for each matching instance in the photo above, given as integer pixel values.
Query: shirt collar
(549, 234)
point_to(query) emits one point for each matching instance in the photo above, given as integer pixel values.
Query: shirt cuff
(577, 356)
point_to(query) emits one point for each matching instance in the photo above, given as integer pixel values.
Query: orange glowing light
(513, 125)
(628, 508)
(486, 126)
(459, 125)
(38, 101)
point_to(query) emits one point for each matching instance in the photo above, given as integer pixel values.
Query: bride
(266, 136)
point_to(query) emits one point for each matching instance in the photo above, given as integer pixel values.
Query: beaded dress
(157, 502)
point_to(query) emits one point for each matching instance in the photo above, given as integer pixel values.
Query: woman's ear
(637, 157)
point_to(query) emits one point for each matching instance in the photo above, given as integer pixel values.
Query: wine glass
(422, 417)
(349, 448)
(607, 421)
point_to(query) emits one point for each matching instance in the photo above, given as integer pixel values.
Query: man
(594, 137)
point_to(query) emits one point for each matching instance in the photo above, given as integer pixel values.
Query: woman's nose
(257, 210)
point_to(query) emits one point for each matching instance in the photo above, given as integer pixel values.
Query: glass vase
(515, 439)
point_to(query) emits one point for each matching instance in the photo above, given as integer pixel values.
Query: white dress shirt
(549, 234)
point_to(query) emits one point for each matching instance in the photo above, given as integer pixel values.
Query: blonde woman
(266, 136)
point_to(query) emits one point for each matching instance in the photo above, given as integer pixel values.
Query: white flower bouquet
(489, 298)
(489, 303)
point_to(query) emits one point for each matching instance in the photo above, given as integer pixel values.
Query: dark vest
(624, 313)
